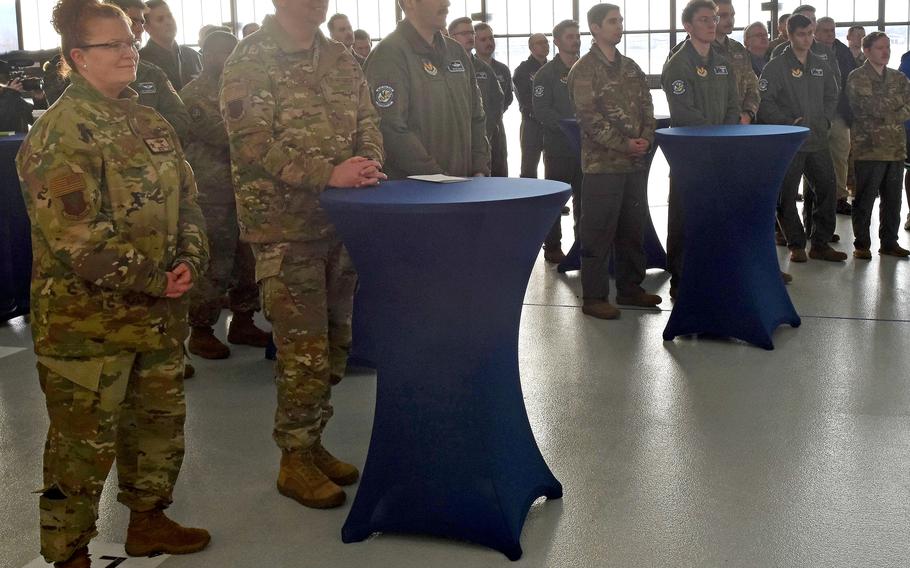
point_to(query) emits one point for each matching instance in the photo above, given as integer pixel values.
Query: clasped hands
(357, 172)
(637, 146)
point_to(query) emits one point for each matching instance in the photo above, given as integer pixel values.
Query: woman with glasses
(117, 241)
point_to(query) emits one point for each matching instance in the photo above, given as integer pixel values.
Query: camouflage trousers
(231, 270)
(307, 295)
(130, 407)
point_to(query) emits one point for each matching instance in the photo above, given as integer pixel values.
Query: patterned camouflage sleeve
(368, 139)
(480, 146)
(192, 243)
(170, 106)
(869, 107)
(248, 108)
(597, 124)
(61, 182)
(386, 72)
(206, 125)
(748, 86)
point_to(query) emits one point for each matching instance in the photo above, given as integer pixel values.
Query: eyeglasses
(466, 32)
(121, 46)
(708, 20)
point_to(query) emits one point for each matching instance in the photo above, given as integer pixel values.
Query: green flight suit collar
(696, 57)
(85, 91)
(418, 44)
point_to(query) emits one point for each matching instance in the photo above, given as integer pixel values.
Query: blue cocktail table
(444, 270)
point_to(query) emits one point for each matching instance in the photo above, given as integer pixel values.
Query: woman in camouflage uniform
(117, 241)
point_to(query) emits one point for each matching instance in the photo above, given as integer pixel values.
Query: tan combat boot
(79, 559)
(301, 480)
(338, 471)
(204, 343)
(244, 332)
(600, 310)
(151, 532)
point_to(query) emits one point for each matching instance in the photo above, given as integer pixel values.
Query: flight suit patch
(763, 85)
(816, 72)
(385, 96)
(430, 68)
(538, 91)
(678, 87)
(236, 95)
(701, 71)
(146, 88)
(721, 70)
(797, 72)
(456, 66)
(196, 112)
(159, 145)
(481, 76)
(564, 79)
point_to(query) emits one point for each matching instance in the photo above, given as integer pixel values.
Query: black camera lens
(32, 84)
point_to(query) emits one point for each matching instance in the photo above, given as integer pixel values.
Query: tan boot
(338, 471)
(79, 559)
(151, 532)
(301, 480)
(189, 371)
(600, 310)
(244, 332)
(204, 343)
(553, 255)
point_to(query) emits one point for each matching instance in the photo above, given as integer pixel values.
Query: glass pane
(387, 22)
(636, 15)
(9, 33)
(842, 10)
(896, 11)
(660, 17)
(496, 14)
(563, 11)
(518, 16)
(900, 43)
(637, 48)
(660, 48)
(583, 7)
(36, 23)
(542, 18)
(516, 51)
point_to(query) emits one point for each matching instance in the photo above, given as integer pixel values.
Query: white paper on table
(439, 178)
(109, 555)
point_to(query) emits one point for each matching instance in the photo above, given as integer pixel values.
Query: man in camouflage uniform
(880, 100)
(462, 31)
(300, 119)
(117, 240)
(701, 90)
(616, 115)
(425, 90)
(798, 88)
(738, 57)
(232, 268)
(551, 103)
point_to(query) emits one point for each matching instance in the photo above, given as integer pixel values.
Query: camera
(27, 75)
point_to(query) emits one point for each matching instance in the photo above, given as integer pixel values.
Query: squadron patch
(159, 145)
(538, 91)
(797, 72)
(456, 66)
(196, 112)
(763, 85)
(721, 70)
(146, 88)
(701, 71)
(678, 87)
(385, 96)
(430, 68)
(816, 72)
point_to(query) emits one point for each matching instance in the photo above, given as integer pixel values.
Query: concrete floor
(685, 453)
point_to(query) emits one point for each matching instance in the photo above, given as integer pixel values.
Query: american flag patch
(67, 184)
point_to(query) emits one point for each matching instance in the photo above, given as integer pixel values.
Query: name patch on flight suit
(822, 56)
(721, 70)
(481, 76)
(816, 72)
(456, 66)
(146, 88)
(159, 145)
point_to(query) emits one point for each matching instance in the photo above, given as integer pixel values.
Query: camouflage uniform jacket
(112, 206)
(613, 105)
(207, 146)
(790, 90)
(700, 92)
(746, 81)
(431, 113)
(292, 116)
(881, 104)
(552, 104)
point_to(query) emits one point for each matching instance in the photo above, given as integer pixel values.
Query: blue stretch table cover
(15, 235)
(731, 284)
(654, 251)
(444, 269)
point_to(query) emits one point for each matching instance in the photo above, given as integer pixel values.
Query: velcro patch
(236, 95)
(159, 145)
(146, 88)
(538, 91)
(385, 96)
(816, 72)
(481, 75)
(721, 70)
(763, 85)
(66, 184)
(196, 112)
(456, 66)
(678, 87)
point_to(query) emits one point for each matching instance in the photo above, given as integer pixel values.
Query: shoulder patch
(538, 91)
(235, 96)
(385, 96)
(763, 85)
(69, 189)
(678, 87)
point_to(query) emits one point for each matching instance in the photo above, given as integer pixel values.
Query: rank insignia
(146, 88)
(564, 79)
(797, 72)
(159, 145)
(701, 71)
(430, 68)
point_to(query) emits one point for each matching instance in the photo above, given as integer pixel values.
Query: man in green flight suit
(425, 90)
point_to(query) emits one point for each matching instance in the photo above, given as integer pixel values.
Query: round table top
(400, 193)
(12, 139)
(732, 131)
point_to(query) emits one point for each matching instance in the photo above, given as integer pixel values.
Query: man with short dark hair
(182, 64)
(531, 133)
(425, 89)
(616, 116)
(462, 31)
(799, 88)
(855, 35)
(363, 44)
(340, 30)
(701, 90)
(552, 103)
(484, 46)
(781, 34)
